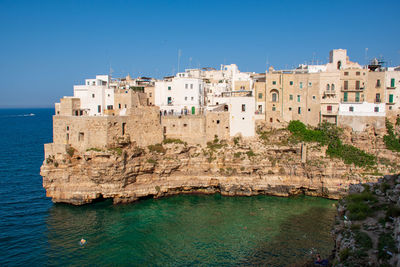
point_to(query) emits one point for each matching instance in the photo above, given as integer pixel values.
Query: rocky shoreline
(367, 227)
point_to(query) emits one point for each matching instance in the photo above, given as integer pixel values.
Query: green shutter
(390, 98)
(345, 97)
(357, 97)
(392, 82)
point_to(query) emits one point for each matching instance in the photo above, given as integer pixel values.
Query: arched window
(274, 95)
(333, 87)
(327, 87)
(339, 64)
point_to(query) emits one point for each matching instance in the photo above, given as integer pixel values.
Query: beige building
(292, 95)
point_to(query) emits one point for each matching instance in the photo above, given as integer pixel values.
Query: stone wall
(191, 129)
(359, 123)
(141, 126)
(197, 129)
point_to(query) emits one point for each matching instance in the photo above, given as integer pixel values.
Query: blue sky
(48, 46)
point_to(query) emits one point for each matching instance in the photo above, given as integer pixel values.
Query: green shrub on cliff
(329, 134)
(391, 140)
(359, 205)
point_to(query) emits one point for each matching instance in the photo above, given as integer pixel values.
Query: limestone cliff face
(245, 168)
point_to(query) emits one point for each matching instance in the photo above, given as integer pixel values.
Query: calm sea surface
(176, 231)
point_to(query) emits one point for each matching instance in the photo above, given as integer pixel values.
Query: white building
(241, 107)
(179, 95)
(362, 109)
(95, 95)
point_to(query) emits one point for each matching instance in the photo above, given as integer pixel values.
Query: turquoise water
(176, 231)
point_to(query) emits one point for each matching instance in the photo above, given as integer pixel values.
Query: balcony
(391, 87)
(329, 93)
(352, 89)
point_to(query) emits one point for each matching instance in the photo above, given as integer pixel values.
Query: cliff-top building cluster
(199, 104)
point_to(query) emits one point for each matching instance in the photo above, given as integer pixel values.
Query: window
(310, 84)
(274, 97)
(329, 108)
(390, 107)
(99, 109)
(260, 108)
(217, 121)
(259, 95)
(357, 97)
(390, 98)
(184, 125)
(358, 73)
(169, 87)
(301, 85)
(290, 109)
(149, 94)
(273, 108)
(123, 128)
(169, 100)
(290, 97)
(273, 82)
(346, 73)
(333, 87)
(298, 98)
(376, 109)
(119, 106)
(291, 82)
(126, 106)
(243, 107)
(299, 110)
(191, 86)
(81, 137)
(67, 128)
(309, 109)
(185, 97)
(313, 97)
(328, 87)
(192, 98)
(92, 95)
(392, 82)
(339, 65)
(186, 86)
(346, 85)
(351, 109)
(378, 98)
(357, 84)
(378, 83)
(345, 96)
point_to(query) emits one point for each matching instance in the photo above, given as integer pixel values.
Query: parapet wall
(83, 132)
(197, 129)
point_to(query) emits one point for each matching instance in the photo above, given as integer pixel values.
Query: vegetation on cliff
(392, 139)
(367, 225)
(329, 134)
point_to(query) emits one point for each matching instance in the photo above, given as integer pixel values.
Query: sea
(183, 230)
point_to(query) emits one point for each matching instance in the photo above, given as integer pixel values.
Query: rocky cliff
(367, 228)
(268, 164)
